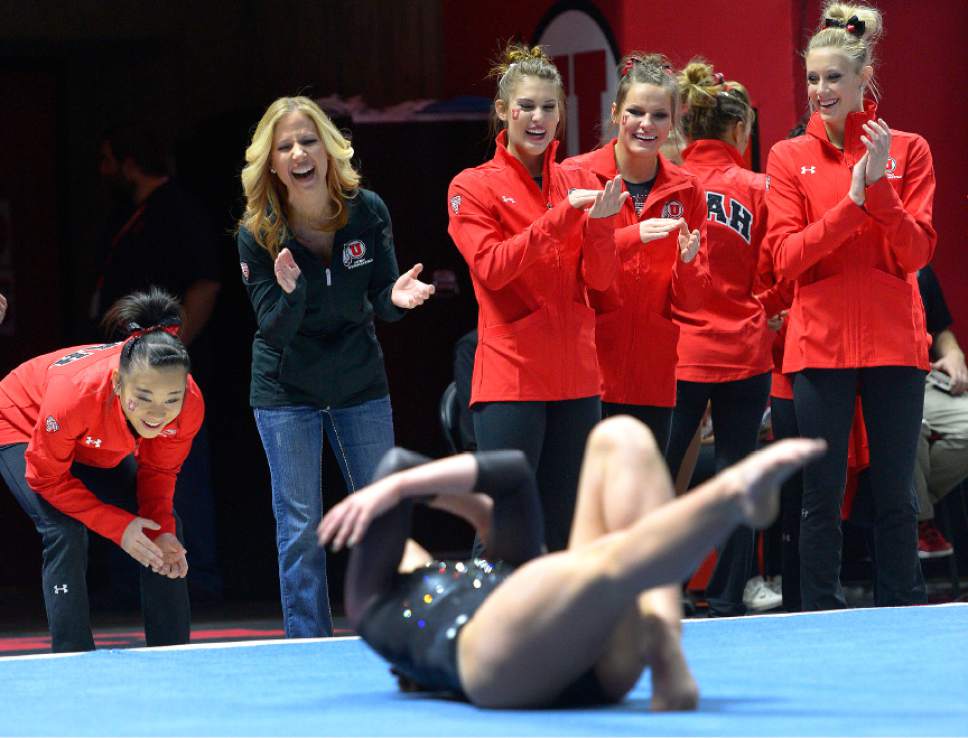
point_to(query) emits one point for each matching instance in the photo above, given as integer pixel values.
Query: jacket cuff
(880, 199)
(298, 295)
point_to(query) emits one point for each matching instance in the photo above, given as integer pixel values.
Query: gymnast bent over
(493, 630)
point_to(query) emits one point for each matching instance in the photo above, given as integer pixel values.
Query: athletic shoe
(758, 597)
(775, 584)
(931, 544)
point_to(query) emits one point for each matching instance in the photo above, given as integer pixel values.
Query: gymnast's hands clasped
(347, 522)
(165, 555)
(600, 203)
(408, 292)
(176, 563)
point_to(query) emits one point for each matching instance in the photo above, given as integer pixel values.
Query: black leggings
(552, 436)
(737, 409)
(791, 499)
(164, 601)
(658, 419)
(516, 524)
(893, 402)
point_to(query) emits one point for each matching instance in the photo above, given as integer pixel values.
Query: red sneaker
(931, 544)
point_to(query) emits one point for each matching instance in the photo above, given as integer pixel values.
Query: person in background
(535, 236)
(943, 446)
(87, 435)
(659, 239)
(158, 235)
(318, 262)
(850, 224)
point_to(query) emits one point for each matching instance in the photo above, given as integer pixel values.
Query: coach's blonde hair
(265, 196)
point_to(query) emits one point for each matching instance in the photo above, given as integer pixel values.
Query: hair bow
(852, 25)
(171, 326)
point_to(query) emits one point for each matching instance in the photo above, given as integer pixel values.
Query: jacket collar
(712, 152)
(603, 163)
(853, 129)
(505, 157)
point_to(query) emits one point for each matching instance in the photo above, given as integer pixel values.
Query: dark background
(204, 71)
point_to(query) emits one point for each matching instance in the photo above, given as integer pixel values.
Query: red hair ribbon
(171, 330)
(718, 78)
(627, 66)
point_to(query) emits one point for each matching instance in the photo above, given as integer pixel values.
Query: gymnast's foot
(759, 476)
(673, 687)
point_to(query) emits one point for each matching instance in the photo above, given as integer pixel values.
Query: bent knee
(65, 535)
(623, 433)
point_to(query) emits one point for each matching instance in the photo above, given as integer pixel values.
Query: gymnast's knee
(623, 433)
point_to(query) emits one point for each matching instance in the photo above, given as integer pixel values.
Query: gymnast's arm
(454, 484)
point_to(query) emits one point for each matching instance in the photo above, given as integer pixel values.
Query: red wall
(922, 75)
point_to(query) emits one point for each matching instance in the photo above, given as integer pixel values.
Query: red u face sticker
(515, 113)
(132, 405)
(625, 118)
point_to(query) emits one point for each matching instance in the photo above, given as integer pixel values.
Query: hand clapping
(600, 203)
(878, 143)
(688, 242)
(408, 291)
(287, 271)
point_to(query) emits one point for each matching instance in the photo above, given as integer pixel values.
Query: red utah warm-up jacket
(63, 406)
(727, 340)
(635, 334)
(856, 301)
(531, 256)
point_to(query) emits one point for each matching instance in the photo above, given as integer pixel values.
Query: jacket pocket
(890, 334)
(823, 321)
(518, 357)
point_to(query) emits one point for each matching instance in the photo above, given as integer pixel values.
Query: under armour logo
(96, 442)
(60, 589)
(808, 170)
(803, 514)
(508, 198)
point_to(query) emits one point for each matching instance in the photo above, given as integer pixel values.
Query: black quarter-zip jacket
(317, 345)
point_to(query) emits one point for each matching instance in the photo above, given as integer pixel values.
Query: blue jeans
(293, 440)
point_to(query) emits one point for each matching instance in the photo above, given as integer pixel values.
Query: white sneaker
(776, 583)
(759, 597)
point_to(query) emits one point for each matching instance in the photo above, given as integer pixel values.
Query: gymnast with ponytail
(92, 439)
(724, 348)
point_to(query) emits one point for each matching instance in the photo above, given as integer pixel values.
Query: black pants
(893, 402)
(737, 409)
(552, 436)
(164, 601)
(791, 501)
(658, 419)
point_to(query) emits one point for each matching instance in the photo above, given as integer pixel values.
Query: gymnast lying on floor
(526, 629)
